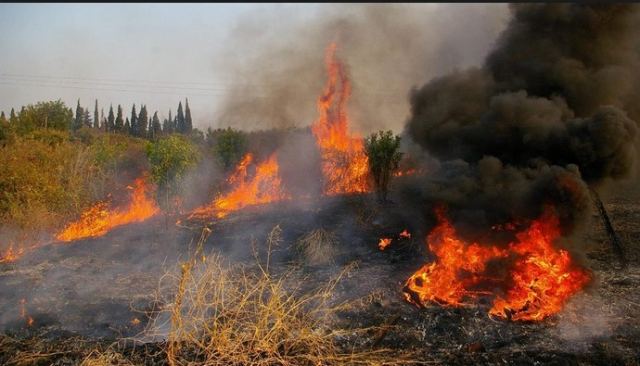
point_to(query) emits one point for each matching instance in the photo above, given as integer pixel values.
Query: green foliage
(229, 145)
(382, 149)
(170, 158)
(54, 115)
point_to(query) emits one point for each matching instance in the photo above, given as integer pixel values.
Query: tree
(111, 124)
(53, 114)
(382, 149)
(119, 120)
(180, 120)
(86, 118)
(78, 121)
(169, 159)
(13, 119)
(156, 128)
(229, 146)
(96, 120)
(127, 126)
(143, 122)
(187, 117)
(5, 129)
(134, 121)
(167, 127)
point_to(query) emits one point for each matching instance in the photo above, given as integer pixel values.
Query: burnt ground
(89, 293)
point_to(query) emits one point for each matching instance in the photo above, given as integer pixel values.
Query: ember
(542, 279)
(384, 242)
(344, 162)
(99, 219)
(405, 234)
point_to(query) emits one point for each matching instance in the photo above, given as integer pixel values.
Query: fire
(23, 313)
(540, 281)
(344, 162)
(405, 234)
(99, 219)
(384, 242)
(265, 186)
(11, 254)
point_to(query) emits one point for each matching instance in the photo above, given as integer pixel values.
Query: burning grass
(541, 280)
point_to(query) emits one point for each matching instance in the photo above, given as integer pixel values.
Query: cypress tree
(119, 120)
(86, 118)
(187, 117)
(134, 121)
(96, 121)
(127, 126)
(13, 119)
(180, 120)
(3, 118)
(166, 128)
(77, 122)
(111, 124)
(155, 129)
(143, 122)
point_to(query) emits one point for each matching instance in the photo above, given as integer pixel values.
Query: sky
(153, 54)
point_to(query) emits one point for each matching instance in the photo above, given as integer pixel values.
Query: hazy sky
(156, 54)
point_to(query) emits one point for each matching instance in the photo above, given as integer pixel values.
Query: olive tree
(382, 149)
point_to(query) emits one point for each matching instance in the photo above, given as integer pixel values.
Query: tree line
(56, 115)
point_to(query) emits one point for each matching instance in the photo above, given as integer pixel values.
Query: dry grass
(318, 247)
(224, 314)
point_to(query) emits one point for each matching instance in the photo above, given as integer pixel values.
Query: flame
(99, 219)
(263, 187)
(384, 242)
(542, 279)
(344, 162)
(11, 254)
(23, 313)
(405, 234)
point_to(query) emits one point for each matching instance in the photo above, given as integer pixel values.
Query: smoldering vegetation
(551, 112)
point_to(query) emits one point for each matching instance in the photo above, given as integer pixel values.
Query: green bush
(382, 150)
(170, 158)
(229, 145)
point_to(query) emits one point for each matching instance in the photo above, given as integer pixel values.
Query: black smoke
(551, 112)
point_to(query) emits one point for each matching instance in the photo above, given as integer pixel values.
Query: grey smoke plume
(552, 110)
(276, 59)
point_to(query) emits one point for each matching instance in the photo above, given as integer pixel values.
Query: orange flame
(384, 242)
(11, 254)
(405, 234)
(98, 220)
(263, 187)
(541, 281)
(23, 313)
(344, 162)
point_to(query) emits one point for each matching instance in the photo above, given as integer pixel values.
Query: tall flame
(99, 219)
(344, 162)
(263, 187)
(542, 279)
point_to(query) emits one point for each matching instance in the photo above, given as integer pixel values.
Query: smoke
(550, 112)
(276, 59)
